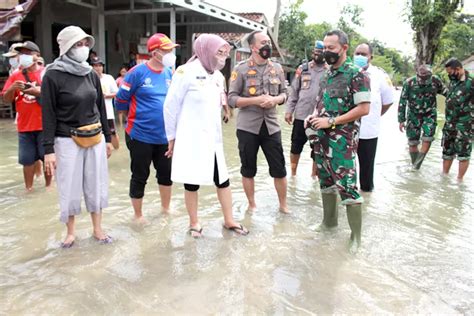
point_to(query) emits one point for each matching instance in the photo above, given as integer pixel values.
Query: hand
(267, 101)
(289, 118)
(402, 127)
(50, 164)
(169, 152)
(226, 116)
(109, 147)
(320, 122)
(306, 121)
(18, 85)
(35, 91)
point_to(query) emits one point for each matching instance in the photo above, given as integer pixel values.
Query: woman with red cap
(192, 114)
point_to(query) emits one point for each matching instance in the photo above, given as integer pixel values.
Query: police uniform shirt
(304, 90)
(250, 80)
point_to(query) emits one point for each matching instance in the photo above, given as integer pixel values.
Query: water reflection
(416, 255)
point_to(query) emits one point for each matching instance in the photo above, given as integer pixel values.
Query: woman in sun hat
(76, 133)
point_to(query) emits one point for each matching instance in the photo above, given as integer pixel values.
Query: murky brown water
(417, 253)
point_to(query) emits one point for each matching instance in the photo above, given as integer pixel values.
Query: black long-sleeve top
(70, 101)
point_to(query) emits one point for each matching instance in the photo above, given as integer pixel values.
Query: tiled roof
(229, 37)
(254, 16)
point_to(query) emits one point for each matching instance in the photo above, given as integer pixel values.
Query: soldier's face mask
(332, 57)
(265, 51)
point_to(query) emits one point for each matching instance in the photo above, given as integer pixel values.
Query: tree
(457, 39)
(297, 37)
(427, 19)
(349, 20)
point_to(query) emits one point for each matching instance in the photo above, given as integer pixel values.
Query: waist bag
(87, 136)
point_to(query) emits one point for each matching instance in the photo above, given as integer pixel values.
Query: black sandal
(241, 230)
(197, 232)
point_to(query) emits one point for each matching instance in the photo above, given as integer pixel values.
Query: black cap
(96, 60)
(28, 45)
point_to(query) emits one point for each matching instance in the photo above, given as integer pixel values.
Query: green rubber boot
(413, 157)
(354, 217)
(330, 212)
(419, 161)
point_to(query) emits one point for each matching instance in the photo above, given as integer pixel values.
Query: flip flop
(241, 230)
(195, 233)
(67, 245)
(104, 241)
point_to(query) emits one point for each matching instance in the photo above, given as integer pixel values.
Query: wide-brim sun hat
(12, 52)
(71, 35)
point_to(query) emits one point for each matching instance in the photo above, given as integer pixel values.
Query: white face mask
(220, 62)
(13, 63)
(26, 60)
(79, 54)
(168, 60)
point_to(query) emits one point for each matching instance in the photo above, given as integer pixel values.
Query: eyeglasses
(223, 53)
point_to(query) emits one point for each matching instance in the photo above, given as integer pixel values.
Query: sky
(382, 19)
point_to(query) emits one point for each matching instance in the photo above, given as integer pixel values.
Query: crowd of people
(174, 120)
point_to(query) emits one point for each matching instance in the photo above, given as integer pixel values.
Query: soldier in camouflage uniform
(343, 99)
(458, 130)
(419, 96)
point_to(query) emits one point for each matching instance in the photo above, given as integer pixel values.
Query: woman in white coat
(192, 114)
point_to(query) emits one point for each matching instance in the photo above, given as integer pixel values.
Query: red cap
(159, 40)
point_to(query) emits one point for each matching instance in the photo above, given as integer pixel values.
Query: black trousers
(366, 153)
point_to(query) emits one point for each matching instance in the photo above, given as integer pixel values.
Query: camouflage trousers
(456, 142)
(334, 156)
(421, 125)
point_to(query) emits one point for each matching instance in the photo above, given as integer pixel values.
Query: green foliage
(297, 37)
(349, 21)
(427, 19)
(457, 39)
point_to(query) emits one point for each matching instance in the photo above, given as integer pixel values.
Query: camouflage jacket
(341, 90)
(460, 104)
(419, 97)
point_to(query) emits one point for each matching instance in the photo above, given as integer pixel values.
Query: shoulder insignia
(298, 71)
(233, 76)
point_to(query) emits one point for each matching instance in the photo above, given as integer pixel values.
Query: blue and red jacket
(142, 93)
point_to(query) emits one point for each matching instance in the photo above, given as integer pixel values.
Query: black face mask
(331, 57)
(318, 59)
(265, 51)
(453, 77)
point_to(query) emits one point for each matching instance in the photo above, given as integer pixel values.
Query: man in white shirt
(109, 90)
(382, 97)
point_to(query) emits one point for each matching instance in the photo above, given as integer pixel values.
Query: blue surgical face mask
(26, 60)
(13, 63)
(360, 61)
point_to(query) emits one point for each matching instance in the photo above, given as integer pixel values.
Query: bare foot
(166, 211)
(142, 221)
(251, 210)
(284, 210)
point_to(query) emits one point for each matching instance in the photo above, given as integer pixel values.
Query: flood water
(416, 255)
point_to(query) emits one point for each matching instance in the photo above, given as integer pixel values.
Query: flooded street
(416, 256)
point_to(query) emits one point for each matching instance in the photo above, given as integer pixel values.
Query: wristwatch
(332, 122)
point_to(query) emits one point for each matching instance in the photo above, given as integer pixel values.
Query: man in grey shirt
(257, 86)
(304, 90)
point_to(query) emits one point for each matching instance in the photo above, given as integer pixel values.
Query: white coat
(192, 115)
